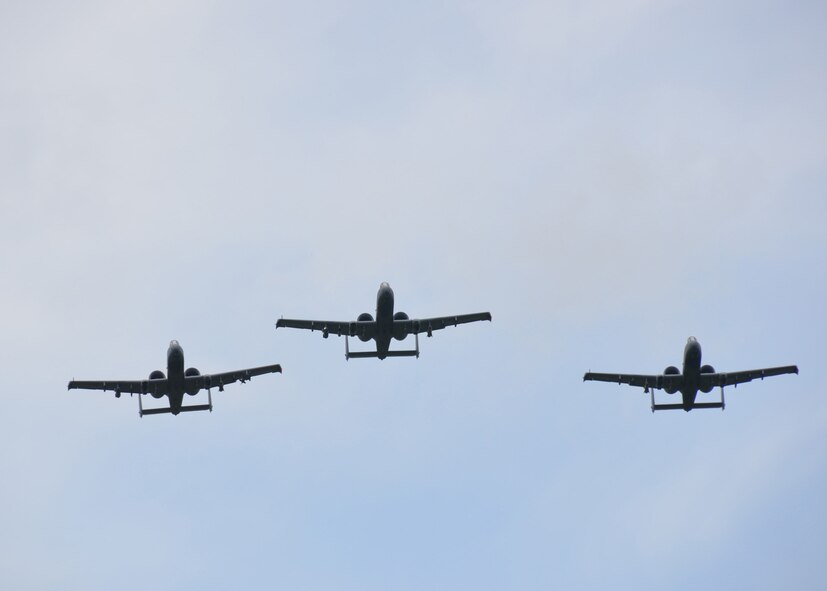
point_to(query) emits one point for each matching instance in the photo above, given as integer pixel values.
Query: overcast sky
(606, 178)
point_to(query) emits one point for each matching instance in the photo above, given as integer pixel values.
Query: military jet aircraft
(695, 377)
(175, 384)
(386, 326)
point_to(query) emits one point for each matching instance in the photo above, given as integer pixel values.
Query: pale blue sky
(607, 178)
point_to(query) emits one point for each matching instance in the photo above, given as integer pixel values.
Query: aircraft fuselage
(691, 372)
(384, 320)
(175, 376)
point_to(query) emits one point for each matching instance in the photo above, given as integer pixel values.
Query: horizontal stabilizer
(196, 407)
(161, 411)
(367, 354)
(667, 407)
(362, 354)
(694, 406)
(411, 353)
(155, 411)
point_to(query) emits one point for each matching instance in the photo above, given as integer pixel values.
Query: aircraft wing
(739, 377)
(364, 328)
(430, 324)
(639, 380)
(156, 387)
(219, 380)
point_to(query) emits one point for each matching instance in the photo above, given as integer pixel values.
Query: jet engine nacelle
(364, 317)
(707, 388)
(671, 371)
(192, 373)
(400, 333)
(157, 375)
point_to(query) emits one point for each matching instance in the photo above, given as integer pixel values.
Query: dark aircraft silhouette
(386, 326)
(695, 377)
(175, 384)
